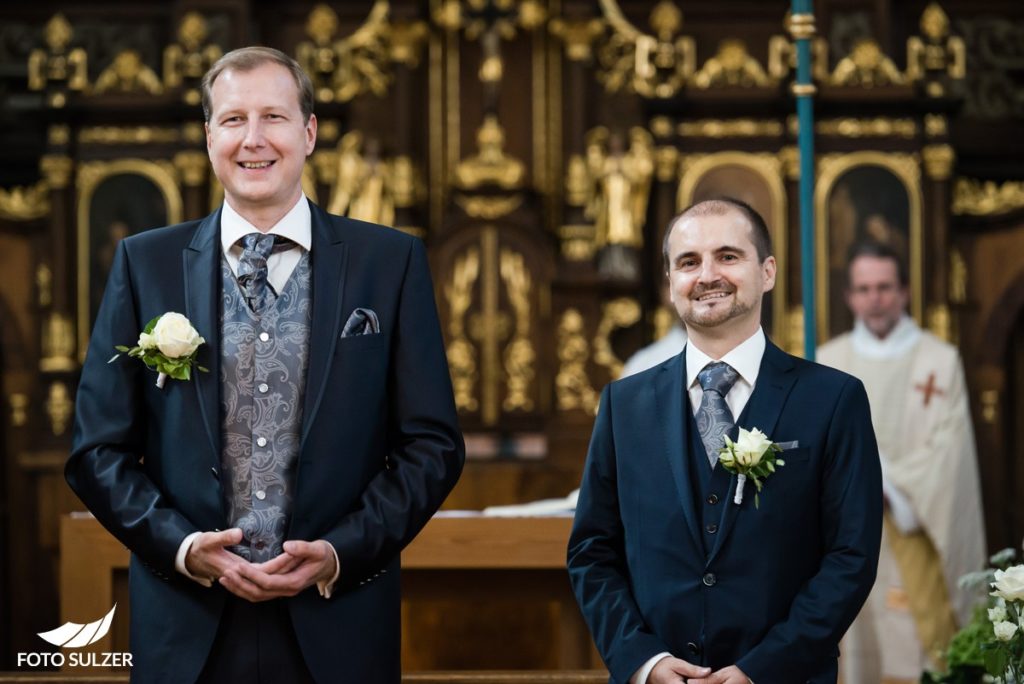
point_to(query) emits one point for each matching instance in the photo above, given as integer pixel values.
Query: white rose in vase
(1009, 583)
(1004, 630)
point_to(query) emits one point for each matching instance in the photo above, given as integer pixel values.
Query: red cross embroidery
(929, 389)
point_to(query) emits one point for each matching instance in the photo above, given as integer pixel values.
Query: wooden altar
(455, 561)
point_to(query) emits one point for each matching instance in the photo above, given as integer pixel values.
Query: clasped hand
(301, 565)
(671, 670)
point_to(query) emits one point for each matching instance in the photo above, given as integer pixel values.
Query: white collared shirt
(296, 225)
(745, 358)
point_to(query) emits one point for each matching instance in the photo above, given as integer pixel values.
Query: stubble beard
(717, 315)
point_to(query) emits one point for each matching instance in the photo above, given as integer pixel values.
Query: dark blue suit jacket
(380, 445)
(782, 582)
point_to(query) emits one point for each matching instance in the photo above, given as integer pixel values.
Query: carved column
(938, 167)
(193, 167)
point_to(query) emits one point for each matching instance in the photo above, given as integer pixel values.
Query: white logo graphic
(74, 635)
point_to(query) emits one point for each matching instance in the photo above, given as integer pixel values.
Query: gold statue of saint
(363, 189)
(620, 186)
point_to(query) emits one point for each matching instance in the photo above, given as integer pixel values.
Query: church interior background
(539, 149)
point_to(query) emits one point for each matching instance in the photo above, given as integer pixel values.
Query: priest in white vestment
(933, 531)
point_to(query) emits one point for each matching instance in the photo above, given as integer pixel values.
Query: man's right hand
(207, 556)
(673, 671)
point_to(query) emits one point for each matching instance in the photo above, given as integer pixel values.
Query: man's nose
(708, 271)
(253, 133)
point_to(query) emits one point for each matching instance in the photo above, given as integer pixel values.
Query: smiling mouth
(256, 165)
(711, 296)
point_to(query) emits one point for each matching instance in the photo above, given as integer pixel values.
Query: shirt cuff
(644, 672)
(325, 587)
(900, 508)
(179, 560)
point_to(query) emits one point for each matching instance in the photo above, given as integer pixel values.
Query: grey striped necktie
(714, 419)
(252, 268)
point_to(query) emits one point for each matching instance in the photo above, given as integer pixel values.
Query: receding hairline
(720, 207)
(248, 59)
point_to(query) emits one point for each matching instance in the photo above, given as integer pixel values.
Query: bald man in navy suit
(677, 581)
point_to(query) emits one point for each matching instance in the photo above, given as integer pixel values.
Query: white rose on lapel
(1009, 583)
(751, 447)
(175, 336)
(752, 456)
(168, 345)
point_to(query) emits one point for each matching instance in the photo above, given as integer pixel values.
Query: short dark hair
(719, 206)
(877, 250)
(249, 58)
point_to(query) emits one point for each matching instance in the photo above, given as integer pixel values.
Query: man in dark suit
(677, 581)
(265, 502)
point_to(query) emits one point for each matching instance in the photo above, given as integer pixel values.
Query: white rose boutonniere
(168, 344)
(752, 456)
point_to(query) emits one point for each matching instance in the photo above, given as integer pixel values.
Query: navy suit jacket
(782, 582)
(380, 446)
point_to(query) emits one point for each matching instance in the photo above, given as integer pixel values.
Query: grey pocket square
(361, 322)
(786, 446)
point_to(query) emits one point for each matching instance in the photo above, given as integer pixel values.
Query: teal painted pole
(802, 29)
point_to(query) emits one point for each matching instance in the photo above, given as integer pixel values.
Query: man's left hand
(302, 565)
(727, 675)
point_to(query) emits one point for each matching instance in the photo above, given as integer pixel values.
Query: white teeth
(713, 295)
(256, 165)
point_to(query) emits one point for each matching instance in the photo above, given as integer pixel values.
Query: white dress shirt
(297, 226)
(746, 360)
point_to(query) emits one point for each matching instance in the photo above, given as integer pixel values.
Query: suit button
(709, 579)
(713, 499)
(693, 648)
(712, 528)
(259, 545)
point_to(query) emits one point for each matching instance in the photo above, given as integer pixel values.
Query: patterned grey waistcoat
(263, 380)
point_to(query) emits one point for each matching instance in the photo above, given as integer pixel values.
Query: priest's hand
(302, 565)
(727, 675)
(673, 671)
(208, 557)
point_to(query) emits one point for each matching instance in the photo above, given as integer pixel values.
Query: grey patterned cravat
(714, 419)
(252, 270)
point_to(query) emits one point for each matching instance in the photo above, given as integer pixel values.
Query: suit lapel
(329, 256)
(670, 408)
(774, 381)
(201, 260)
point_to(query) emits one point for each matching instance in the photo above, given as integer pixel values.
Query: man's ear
(770, 268)
(311, 134)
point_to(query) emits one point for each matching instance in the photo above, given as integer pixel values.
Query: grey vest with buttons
(263, 380)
